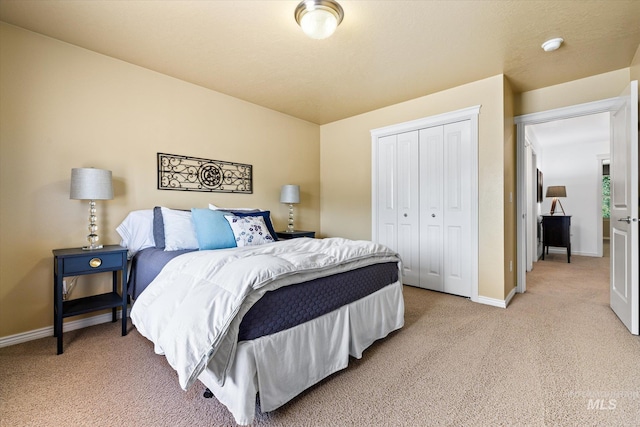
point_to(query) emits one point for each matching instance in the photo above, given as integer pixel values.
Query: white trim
(494, 302)
(427, 122)
(602, 106)
(561, 251)
(475, 227)
(471, 114)
(510, 296)
(48, 330)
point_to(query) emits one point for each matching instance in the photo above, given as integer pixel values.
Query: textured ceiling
(384, 52)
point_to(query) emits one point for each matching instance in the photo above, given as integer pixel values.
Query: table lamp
(91, 184)
(290, 194)
(556, 191)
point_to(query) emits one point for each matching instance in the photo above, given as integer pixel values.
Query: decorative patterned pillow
(266, 216)
(249, 230)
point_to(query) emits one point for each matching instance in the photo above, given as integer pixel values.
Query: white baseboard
(564, 252)
(496, 302)
(104, 318)
(48, 331)
(510, 296)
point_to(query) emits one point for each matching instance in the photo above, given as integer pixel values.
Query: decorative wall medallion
(195, 174)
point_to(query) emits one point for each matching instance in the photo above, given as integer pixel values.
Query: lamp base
(290, 225)
(553, 206)
(92, 247)
(92, 237)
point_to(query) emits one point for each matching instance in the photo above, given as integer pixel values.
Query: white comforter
(193, 309)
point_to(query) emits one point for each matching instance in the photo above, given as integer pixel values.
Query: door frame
(602, 106)
(470, 113)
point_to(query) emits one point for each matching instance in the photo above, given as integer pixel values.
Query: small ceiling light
(319, 18)
(551, 45)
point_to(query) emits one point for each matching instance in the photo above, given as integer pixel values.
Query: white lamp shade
(290, 194)
(91, 184)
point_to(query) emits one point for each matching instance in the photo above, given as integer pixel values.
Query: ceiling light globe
(319, 18)
(318, 24)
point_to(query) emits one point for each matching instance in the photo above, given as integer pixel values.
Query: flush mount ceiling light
(552, 44)
(319, 18)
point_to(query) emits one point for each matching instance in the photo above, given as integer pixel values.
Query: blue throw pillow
(212, 229)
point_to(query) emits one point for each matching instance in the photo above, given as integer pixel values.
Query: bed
(266, 320)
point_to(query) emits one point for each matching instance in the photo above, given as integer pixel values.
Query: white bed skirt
(282, 365)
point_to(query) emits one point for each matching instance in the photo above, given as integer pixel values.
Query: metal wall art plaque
(194, 174)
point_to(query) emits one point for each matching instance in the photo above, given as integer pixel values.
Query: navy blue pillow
(266, 215)
(158, 227)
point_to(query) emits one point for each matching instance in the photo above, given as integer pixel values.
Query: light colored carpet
(556, 356)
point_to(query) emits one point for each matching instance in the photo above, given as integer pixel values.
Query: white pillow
(249, 230)
(217, 208)
(179, 231)
(136, 231)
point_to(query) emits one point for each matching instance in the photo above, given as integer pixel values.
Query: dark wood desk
(556, 231)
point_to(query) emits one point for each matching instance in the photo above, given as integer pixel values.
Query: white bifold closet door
(445, 208)
(425, 199)
(398, 200)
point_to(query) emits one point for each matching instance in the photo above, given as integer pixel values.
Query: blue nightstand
(285, 235)
(77, 262)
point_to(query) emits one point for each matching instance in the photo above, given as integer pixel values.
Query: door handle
(627, 220)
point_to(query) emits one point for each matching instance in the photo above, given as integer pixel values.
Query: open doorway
(541, 136)
(605, 203)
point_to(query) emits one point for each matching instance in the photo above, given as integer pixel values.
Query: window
(606, 196)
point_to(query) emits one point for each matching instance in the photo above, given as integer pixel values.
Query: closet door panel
(431, 208)
(387, 192)
(457, 208)
(454, 247)
(453, 175)
(408, 206)
(431, 268)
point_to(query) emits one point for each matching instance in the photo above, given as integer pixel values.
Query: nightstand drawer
(91, 263)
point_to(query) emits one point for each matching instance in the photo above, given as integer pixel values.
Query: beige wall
(589, 89)
(346, 170)
(62, 107)
(635, 66)
(510, 193)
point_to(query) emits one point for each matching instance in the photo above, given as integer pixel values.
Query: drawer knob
(95, 262)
